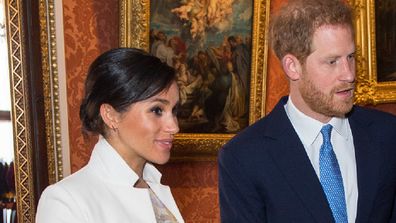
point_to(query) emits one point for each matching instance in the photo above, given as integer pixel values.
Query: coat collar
(112, 167)
(300, 120)
(109, 166)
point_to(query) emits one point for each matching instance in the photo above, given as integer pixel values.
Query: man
(240, 59)
(315, 157)
(159, 38)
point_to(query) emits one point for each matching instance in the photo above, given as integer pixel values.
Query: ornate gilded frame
(368, 89)
(23, 152)
(51, 90)
(134, 32)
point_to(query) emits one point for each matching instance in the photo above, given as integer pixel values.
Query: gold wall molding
(51, 90)
(368, 89)
(20, 113)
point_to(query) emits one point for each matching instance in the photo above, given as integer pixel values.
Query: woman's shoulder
(64, 198)
(74, 183)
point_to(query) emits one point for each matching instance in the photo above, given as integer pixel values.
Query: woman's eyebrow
(161, 100)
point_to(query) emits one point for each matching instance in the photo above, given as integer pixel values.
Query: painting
(385, 29)
(219, 50)
(375, 51)
(209, 46)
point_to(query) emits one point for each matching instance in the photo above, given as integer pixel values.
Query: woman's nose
(172, 125)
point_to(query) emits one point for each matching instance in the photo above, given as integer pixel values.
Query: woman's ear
(109, 116)
(292, 67)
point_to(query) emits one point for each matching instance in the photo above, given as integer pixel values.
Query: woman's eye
(157, 110)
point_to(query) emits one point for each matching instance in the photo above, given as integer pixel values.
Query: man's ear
(292, 67)
(109, 116)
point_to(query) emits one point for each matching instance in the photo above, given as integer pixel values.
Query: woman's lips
(165, 143)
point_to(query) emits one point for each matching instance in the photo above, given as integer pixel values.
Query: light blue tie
(331, 178)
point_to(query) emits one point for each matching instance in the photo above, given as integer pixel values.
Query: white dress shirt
(103, 191)
(308, 130)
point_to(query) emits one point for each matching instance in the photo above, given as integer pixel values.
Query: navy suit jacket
(265, 174)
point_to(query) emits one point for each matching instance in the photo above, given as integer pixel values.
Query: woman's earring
(113, 128)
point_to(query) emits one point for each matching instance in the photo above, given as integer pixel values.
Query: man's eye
(157, 110)
(331, 62)
(352, 56)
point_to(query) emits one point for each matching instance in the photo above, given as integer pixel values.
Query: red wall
(91, 27)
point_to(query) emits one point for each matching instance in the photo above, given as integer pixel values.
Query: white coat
(103, 191)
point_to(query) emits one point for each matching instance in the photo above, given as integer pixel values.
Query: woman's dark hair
(121, 77)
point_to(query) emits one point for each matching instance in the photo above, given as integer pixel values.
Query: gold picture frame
(24, 162)
(23, 158)
(368, 89)
(134, 32)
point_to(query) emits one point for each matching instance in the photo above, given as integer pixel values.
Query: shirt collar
(108, 163)
(308, 135)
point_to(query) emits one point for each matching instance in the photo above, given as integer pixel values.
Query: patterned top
(162, 213)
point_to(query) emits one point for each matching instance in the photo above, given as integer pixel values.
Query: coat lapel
(367, 164)
(290, 156)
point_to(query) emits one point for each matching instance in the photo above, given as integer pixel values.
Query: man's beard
(323, 103)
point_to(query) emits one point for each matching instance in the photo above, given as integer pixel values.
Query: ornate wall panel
(90, 27)
(195, 191)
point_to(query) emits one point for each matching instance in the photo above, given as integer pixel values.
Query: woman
(131, 101)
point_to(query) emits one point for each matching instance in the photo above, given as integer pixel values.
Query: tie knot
(326, 132)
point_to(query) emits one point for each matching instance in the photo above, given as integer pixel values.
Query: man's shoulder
(371, 114)
(264, 133)
(252, 137)
(378, 123)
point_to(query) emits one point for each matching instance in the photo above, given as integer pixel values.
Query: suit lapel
(290, 156)
(367, 164)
